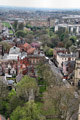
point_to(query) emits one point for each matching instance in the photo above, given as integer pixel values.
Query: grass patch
(10, 31)
(6, 24)
(42, 89)
(41, 82)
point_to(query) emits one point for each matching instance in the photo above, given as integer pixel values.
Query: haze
(42, 3)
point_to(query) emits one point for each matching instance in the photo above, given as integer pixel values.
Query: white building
(14, 53)
(61, 57)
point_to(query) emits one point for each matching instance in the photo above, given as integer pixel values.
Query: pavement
(55, 69)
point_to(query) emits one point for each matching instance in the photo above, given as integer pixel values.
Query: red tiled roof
(31, 50)
(23, 66)
(26, 45)
(2, 118)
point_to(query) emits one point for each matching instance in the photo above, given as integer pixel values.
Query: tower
(77, 68)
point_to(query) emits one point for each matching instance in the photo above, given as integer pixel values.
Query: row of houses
(21, 61)
(69, 63)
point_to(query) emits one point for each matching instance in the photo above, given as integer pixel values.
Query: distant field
(6, 24)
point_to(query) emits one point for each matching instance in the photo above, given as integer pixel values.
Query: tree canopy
(29, 112)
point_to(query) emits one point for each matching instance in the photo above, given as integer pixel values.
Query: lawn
(6, 24)
(10, 31)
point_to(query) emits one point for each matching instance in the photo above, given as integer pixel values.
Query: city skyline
(64, 4)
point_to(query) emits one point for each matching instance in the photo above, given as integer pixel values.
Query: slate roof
(72, 63)
(10, 82)
(19, 77)
(66, 55)
(23, 54)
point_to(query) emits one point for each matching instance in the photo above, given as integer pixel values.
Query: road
(12, 28)
(55, 69)
(58, 73)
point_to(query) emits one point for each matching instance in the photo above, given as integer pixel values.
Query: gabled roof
(35, 44)
(26, 45)
(31, 50)
(14, 50)
(19, 77)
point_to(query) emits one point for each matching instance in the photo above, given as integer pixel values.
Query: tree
(54, 40)
(13, 101)
(27, 87)
(15, 24)
(47, 75)
(29, 112)
(21, 33)
(45, 39)
(28, 25)
(63, 101)
(21, 26)
(73, 48)
(67, 43)
(3, 89)
(29, 38)
(73, 39)
(3, 96)
(48, 51)
(6, 46)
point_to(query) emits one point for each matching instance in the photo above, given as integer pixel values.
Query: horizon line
(39, 7)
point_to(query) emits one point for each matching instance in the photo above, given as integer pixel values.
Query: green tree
(20, 26)
(15, 24)
(48, 51)
(26, 87)
(29, 38)
(73, 39)
(63, 101)
(21, 33)
(3, 96)
(49, 77)
(55, 40)
(6, 46)
(28, 25)
(29, 112)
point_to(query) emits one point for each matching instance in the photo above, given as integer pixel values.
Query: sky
(42, 3)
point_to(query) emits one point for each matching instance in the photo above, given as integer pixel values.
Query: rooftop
(31, 50)
(14, 50)
(66, 55)
(26, 45)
